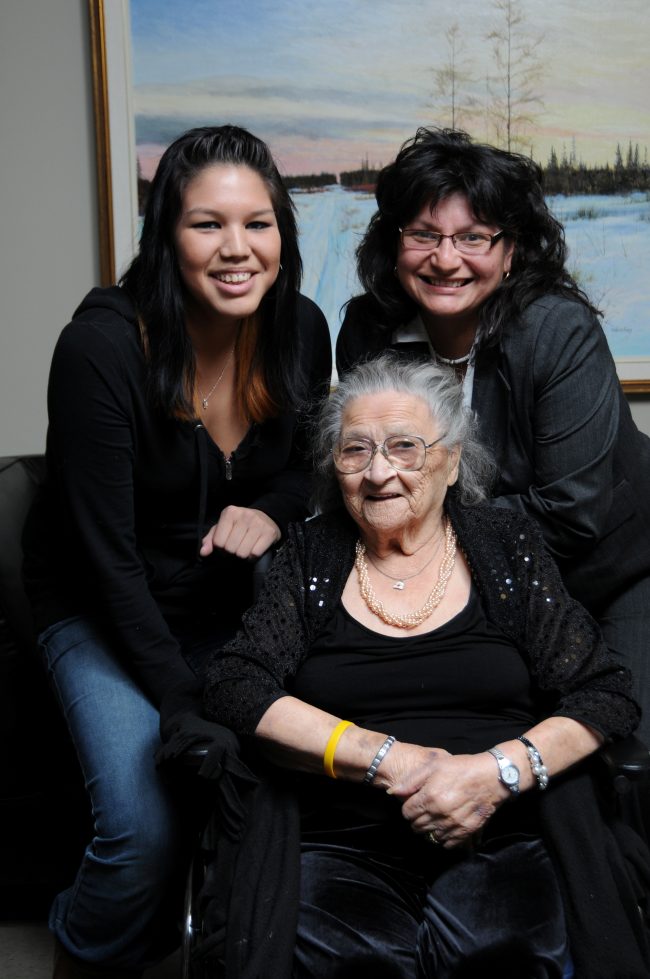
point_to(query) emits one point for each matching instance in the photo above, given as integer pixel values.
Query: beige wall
(48, 225)
(640, 405)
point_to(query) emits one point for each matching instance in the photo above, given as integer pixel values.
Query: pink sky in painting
(329, 84)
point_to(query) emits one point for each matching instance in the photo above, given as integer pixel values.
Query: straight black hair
(154, 282)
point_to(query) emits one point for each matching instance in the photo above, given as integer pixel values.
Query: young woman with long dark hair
(176, 454)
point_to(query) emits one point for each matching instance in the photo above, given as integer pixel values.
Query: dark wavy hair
(266, 353)
(503, 189)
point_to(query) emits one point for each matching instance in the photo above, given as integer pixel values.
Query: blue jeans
(114, 912)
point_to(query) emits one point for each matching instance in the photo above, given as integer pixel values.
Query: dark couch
(43, 809)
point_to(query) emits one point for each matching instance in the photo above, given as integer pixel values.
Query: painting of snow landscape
(335, 88)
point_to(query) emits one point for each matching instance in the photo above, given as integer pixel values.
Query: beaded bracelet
(379, 757)
(538, 767)
(330, 747)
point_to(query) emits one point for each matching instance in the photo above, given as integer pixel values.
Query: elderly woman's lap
(359, 915)
(497, 911)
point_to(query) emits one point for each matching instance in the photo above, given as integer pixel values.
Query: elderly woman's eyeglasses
(406, 453)
(467, 242)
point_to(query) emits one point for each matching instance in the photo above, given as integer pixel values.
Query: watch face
(510, 775)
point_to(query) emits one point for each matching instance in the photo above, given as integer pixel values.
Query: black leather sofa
(44, 815)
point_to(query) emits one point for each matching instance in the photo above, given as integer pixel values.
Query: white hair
(440, 390)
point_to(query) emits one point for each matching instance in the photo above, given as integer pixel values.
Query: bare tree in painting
(456, 106)
(518, 69)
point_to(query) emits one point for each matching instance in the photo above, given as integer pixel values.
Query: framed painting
(335, 88)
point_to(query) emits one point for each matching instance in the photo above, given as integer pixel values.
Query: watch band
(508, 771)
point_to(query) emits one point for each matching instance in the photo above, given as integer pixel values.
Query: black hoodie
(129, 494)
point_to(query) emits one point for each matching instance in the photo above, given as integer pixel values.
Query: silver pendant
(399, 585)
(205, 404)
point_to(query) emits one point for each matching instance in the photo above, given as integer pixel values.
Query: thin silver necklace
(206, 397)
(400, 583)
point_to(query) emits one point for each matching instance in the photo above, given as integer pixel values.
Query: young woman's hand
(241, 531)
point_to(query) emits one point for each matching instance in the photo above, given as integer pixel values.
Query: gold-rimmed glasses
(406, 453)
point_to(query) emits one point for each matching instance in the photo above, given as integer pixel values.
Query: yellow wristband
(335, 736)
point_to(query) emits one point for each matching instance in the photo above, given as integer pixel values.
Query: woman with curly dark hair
(464, 262)
(176, 453)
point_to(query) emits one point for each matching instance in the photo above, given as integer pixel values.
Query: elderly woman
(417, 661)
(464, 263)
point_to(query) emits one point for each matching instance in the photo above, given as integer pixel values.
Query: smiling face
(448, 286)
(227, 243)
(383, 501)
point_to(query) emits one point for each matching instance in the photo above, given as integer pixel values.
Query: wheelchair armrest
(625, 762)
(192, 758)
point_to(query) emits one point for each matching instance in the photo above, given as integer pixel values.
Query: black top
(573, 672)
(463, 686)
(129, 493)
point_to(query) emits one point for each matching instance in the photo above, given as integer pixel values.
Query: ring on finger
(432, 838)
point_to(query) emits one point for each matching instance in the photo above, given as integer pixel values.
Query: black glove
(220, 763)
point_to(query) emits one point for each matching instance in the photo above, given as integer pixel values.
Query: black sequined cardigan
(603, 866)
(522, 593)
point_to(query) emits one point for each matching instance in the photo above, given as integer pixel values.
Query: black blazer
(551, 409)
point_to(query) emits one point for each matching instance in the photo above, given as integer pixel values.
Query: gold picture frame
(102, 142)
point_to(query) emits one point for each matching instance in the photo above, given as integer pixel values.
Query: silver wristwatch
(508, 771)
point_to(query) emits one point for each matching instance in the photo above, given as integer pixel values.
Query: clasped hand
(452, 796)
(242, 531)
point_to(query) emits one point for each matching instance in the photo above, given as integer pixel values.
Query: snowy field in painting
(609, 254)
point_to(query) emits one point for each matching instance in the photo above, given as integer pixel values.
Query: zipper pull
(228, 462)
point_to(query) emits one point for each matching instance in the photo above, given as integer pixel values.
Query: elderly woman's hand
(450, 796)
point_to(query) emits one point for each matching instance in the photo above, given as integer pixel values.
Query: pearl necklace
(453, 361)
(411, 619)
